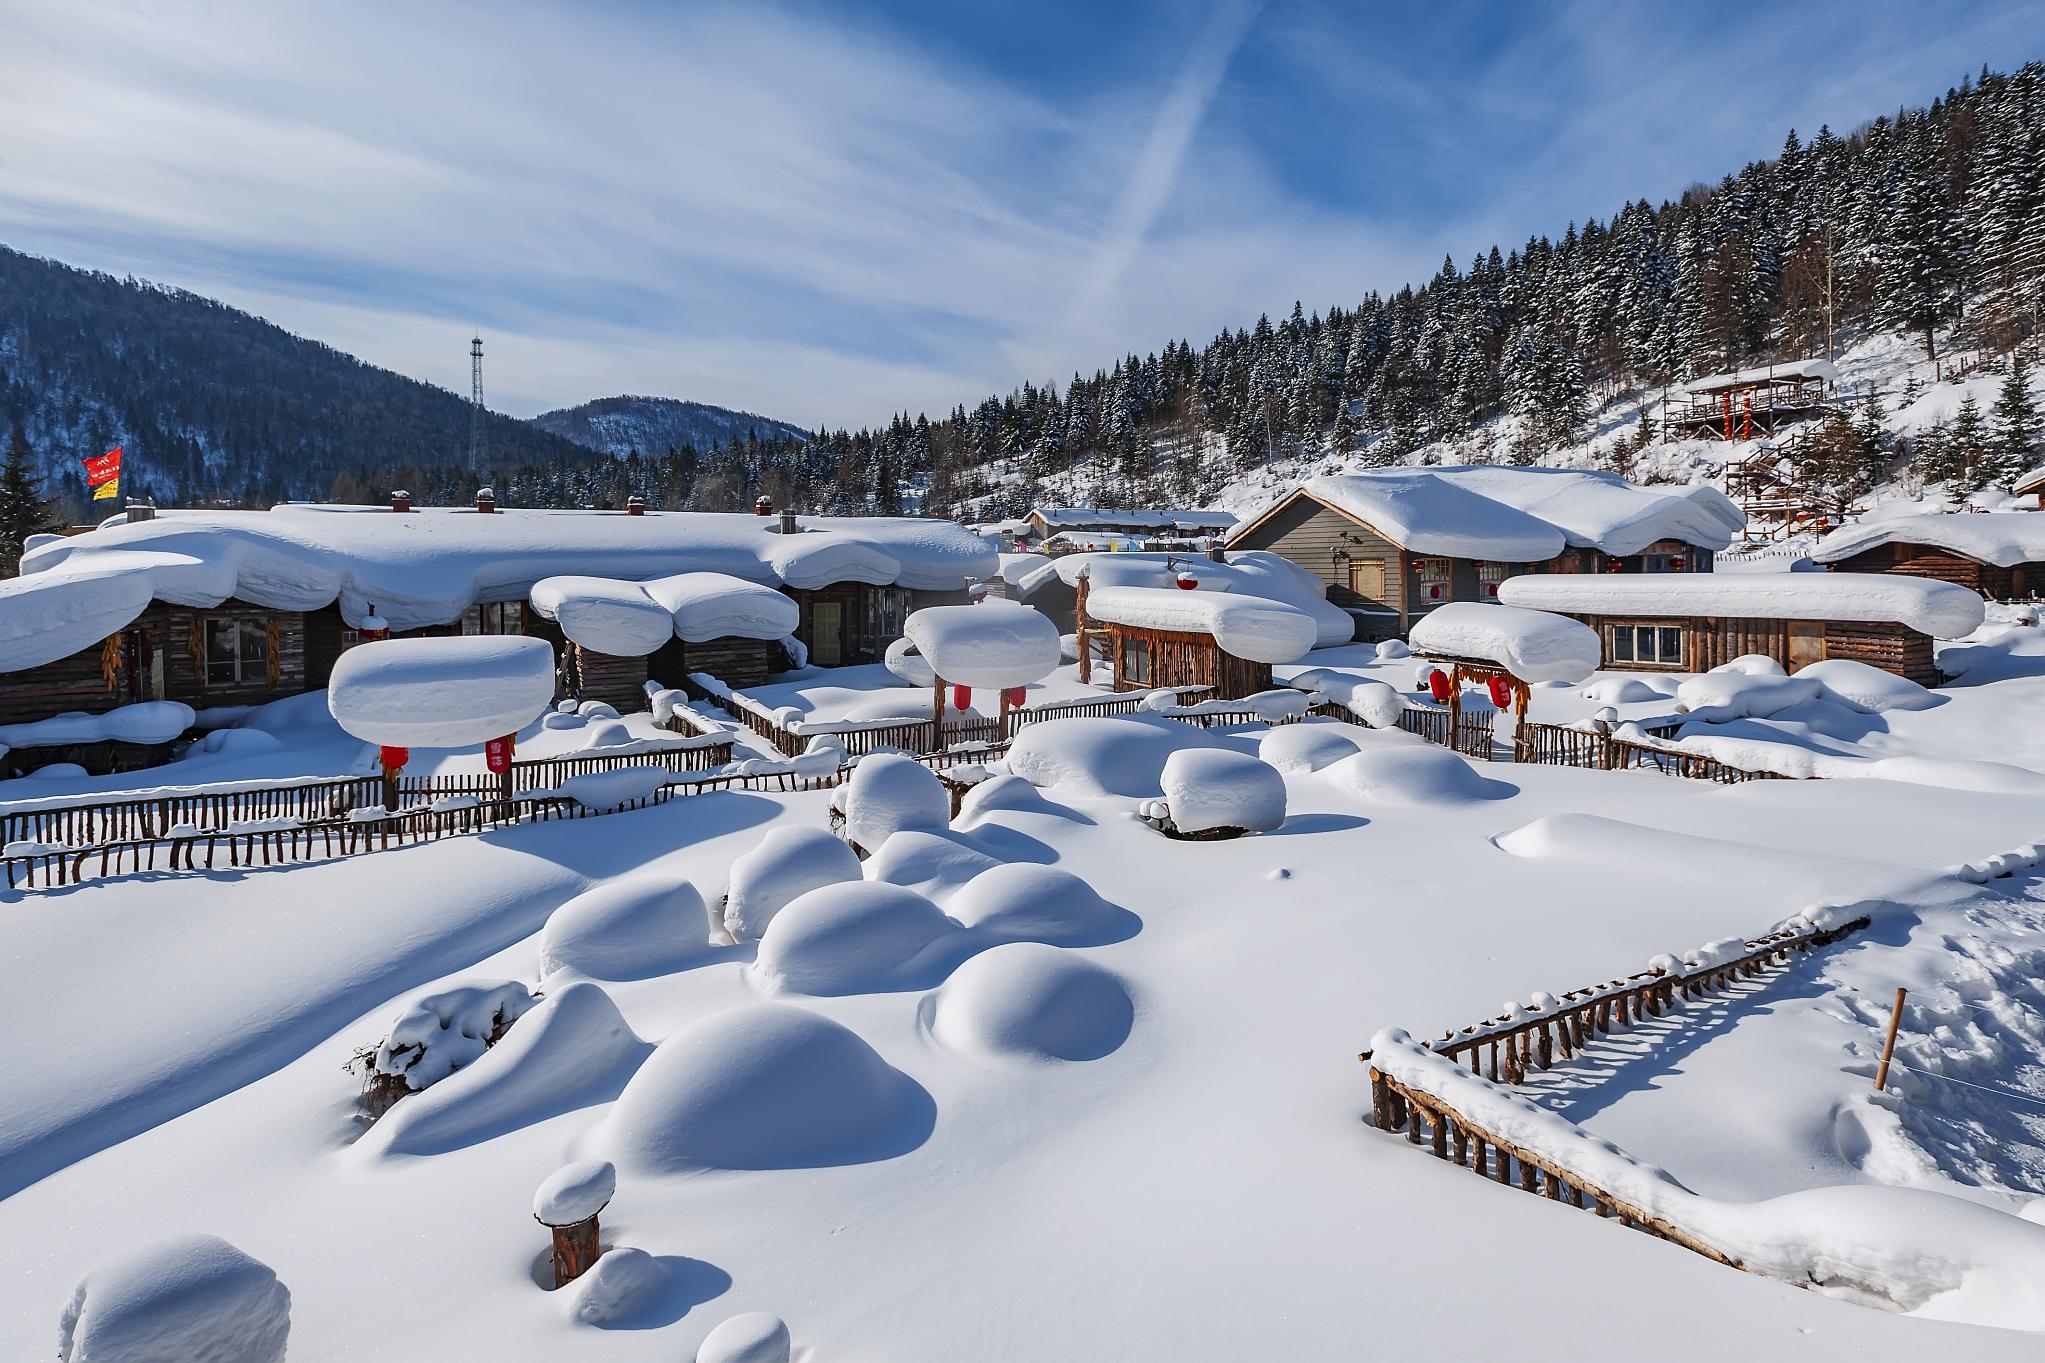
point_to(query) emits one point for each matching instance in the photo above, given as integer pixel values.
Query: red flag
(103, 468)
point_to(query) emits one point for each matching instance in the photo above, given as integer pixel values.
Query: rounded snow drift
(889, 792)
(1120, 755)
(1300, 748)
(628, 929)
(788, 863)
(175, 1300)
(1025, 902)
(443, 692)
(755, 1337)
(905, 662)
(763, 1086)
(1033, 1002)
(622, 1284)
(1868, 688)
(575, 1192)
(855, 938)
(1622, 691)
(1209, 790)
(1416, 774)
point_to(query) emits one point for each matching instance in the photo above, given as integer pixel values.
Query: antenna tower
(478, 454)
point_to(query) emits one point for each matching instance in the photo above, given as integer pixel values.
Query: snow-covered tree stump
(568, 1204)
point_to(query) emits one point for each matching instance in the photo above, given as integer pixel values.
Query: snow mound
(149, 721)
(613, 789)
(1391, 650)
(2004, 538)
(1023, 902)
(905, 662)
(889, 792)
(994, 644)
(1531, 644)
(1031, 1001)
(1868, 688)
(575, 1192)
(858, 938)
(574, 1049)
(1754, 665)
(623, 1284)
(1622, 691)
(1006, 791)
(1299, 748)
(186, 1299)
(1742, 695)
(1104, 755)
(763, 1086)
(442, 692)
(628, 929)
(754, 1337)
(934, 865)
(1373, 702)
(1416, 774)
(1209, 789)
(439, 1033)
(787, 864)
(1256, 628)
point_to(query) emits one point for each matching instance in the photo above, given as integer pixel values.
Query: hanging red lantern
(1187, 582)
(1501, 692)
(962, 697)
(1439, 685)
(497, 754)
(393, 759)
(1015, 695)
(1676, 564)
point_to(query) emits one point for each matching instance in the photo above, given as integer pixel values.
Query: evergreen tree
(1967, 449)
(24, 510)
(2013, 448)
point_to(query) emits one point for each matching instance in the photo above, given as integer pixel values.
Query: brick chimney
(788, 525)
(763, 505)
(486, 500)
(635, 505)
(401, 500)
(141, 511)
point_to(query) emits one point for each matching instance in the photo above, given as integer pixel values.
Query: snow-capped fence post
(1889, 1042)
(568, 1204)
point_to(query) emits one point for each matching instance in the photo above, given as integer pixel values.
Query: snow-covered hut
(1693, 624)
(1103, 527)
(1052, 585)
(1393, 544)
(1189, 635)
(1750, 402)
(2000, 554)
(239, 607)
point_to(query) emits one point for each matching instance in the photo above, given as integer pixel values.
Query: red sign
(103, 468)
(394, 759)
(497, 753)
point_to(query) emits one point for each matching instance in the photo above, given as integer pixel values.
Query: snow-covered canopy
(430, 565)
(1748, 378)
(1523, 515)
(1940, 609)
(1259, 629)
(2004, 538)
(1256, 572)
(1531, 644)
(631, 619)
(441, 692)
(1196, 522)
(995, 644)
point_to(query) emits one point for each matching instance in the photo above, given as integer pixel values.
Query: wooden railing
(1471, 734)
(1561, 745)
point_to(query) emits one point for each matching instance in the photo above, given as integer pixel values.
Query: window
(1367, 578)
(1489, 575)
(886, 610)
(237, 653)
(1434, 576)
(1134, 662)
(1652, 645)
(496, 617)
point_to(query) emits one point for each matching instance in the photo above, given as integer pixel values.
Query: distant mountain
(620, 425)
(211, 403)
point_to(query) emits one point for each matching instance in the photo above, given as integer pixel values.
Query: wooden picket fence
(1563, 746)
(1468, 733)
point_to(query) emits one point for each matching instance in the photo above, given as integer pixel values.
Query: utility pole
(478, 439)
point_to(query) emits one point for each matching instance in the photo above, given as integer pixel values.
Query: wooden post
(1889, 1043)
(575, 1249)
(937, 715)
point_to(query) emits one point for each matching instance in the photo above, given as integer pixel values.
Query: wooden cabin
(1999, 554)
(1077, 529)
(1750, 402)
(1157, 637)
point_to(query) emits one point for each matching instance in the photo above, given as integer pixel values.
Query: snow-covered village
(1500, 814)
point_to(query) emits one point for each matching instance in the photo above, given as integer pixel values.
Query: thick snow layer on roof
(996, 643)
(1254, 572)
(2004, 538)
(1531, 644)
(441, 693)
(1255, 628)
(427, 567)
(1086, 517)
(632, 619)
(1744, 378)
(1526, 515)
(1939, 609)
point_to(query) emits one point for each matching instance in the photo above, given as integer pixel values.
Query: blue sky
(827, 213)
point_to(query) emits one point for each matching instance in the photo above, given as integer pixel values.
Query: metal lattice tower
(478, 440)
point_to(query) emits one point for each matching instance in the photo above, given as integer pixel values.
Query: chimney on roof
(763, 505)
(141, 511)
(486, 500)
(635, 505)
(1215, 552)
(401, 500)
(788, 525)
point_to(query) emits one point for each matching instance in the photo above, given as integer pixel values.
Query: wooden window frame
(248, 669)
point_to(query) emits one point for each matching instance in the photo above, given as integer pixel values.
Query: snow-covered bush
(752, 1337)
(787, 864)
(1415, 774)
(187, 1299)
(1030, 1001)
(856, 938)
(1300, 748)
(1746, 695)
(1104, 755)
(889, 792)
(1868, 688)
(624, 1284)
(1217, 792)
(628, 929)
(439, 1033)
(1025, 902)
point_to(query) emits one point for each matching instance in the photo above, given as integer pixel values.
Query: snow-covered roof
(995, 643)
(441, 693)
(1531, 644)
(1940, 609)
(2028, 483)
(1255, 572)
(1523, 515)
(1131, 518)
(632, 619)
(1747, 378)
(1259, 629)
(2004, 538)
(428, 566)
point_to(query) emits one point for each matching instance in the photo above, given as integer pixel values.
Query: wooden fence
(1471, 734)
(1563, 746)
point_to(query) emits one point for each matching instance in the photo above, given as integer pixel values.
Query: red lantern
(1439, 685)
(1015, 695)
(1501, 692)
(1187, 582)
(1676, 564)
(393, 759)
(497, 754)
(962, 698)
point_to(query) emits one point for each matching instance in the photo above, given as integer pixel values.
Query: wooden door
(1806, 642)
(827, 633)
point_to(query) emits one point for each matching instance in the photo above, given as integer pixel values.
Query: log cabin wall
(1182, 659)
(736, 662)
(1712, 642)
(618, 682)
(1891, 647)
(1925, 560)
